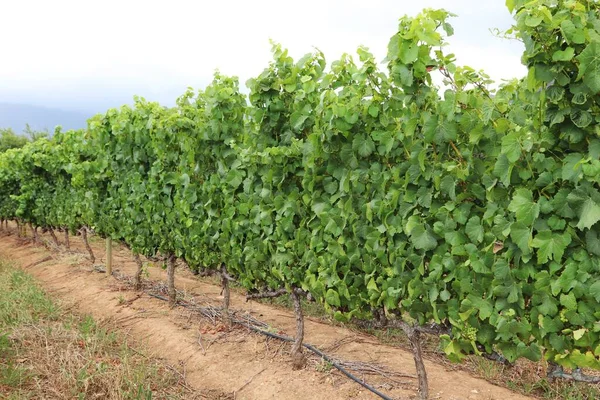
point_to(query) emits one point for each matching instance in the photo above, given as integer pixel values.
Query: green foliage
(34, 135)
(473, 208)
(10, 140)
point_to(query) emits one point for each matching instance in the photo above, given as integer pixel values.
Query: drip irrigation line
(306, 345)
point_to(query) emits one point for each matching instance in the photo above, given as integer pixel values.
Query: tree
(33, 134)
(10, 140)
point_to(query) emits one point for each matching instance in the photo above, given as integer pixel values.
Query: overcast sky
(93, 54)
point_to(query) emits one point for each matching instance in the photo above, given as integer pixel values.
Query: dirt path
(238, 362)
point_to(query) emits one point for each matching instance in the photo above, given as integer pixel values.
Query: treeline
(10, 140)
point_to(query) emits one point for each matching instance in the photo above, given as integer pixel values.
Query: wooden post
(109, 259)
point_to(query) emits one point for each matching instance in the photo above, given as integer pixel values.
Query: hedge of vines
(378, 192)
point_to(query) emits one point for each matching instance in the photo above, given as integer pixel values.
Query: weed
(324, 366)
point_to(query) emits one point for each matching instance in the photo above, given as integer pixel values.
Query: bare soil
(235, 361)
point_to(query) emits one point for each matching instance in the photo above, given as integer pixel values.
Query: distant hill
(15, 116)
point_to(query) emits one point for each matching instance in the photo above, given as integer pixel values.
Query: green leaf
(532, 352)
(422, 238)
(581, 118)
(592, 242)
(586, 202)
(571, 170)
(551, 246)
(474, 230)
(548, 306)
(579, 98)
(452, 349)
(332, 298)
(503, 169)
(510, 4)
(589, 214)
(594, 149)
(589, 66)
(409, 52)
(446, 131)
(564, 55)
(556, 224)
(513, 296)
(373, 110)
(234, 178)
(445, 295)
(572, 34)
(521, 236)
(487, 111)
(448, 187)
(511, 147)
(578, 334)
(533, 20)
(583, 360)
(363, 145)
(568, 301)
(525, 209)
(403, 75)
(372, 285)
(595, 291)
(544, 73)
(297, 120)
(385, 139)
(485, 309)
(454, 238)
(555, 93)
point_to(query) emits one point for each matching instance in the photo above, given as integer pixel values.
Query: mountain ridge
(39, 118)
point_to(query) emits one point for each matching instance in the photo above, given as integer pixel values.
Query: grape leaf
(525, 209)
(551, 246)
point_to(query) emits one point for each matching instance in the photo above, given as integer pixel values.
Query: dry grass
(47, 353)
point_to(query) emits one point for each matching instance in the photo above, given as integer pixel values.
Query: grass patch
(46, 352)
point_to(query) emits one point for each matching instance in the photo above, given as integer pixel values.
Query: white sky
(93, 54)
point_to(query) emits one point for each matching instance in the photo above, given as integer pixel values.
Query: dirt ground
(244, 364)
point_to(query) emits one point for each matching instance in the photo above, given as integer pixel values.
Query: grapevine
(463, 210)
